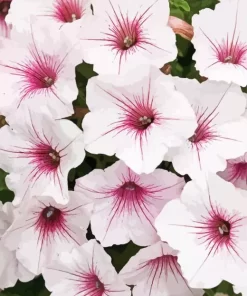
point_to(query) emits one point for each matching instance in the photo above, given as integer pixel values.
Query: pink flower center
(129, 186)
(218, 230)
(204, 132)
(224, 228)
(130, 193)
(233, 52)
(50, 221)
(44, 157)
(125, 33)
(51, 214)
(67, 11)
(139, 116)
(238, 171)
(37, 74)
(138, 113)
(90, 284)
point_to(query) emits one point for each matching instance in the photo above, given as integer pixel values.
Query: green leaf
(84, 72)
(225, 288)
(121, 254)
(181, 4)
(209, 292)
(6, 195)
(4, 293)
(71, 175)
(177, 12)
(32, 288)
(3, 174)
(44, 292)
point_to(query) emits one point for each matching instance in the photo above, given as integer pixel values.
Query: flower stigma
(128, 42)
(55, 156)
(50, 213)
(48, 81)
(228, 59)
(145, 120)
(130, 186)
(224, 228)
(73, 17)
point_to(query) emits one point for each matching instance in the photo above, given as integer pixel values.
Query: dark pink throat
(51, 214)
(224, 228)
(68, 11)
(131, 186)
(4, 8)
(238, 171)
(232, 52)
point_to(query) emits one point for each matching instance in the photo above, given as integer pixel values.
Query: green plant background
(183, 66)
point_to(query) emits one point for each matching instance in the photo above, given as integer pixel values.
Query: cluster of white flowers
(194, 234)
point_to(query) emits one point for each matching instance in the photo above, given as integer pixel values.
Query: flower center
(99, 285)
(55, 156)
(130, 186)
(231, 52)
(228, 59)
(224, 228)
(68, 11)
(128, 41)
(239, 171)
(48, 81)
(145, 121)
(73, 17)
(51, 214)
(204, 131)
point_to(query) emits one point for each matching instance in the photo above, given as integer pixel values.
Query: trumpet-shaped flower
(42, 229)
(221, 51)
(131, 33)
(208, 228)
(63, 14)
(85, 271)
(126, 204)
(38, 69)
(137, 117)
(38, 152)
(219, 136)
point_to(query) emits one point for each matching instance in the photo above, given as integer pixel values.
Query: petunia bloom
(39, 152)
(38, 69)
(63, 14)
(209, 231)
(126, 204)
(219, 110)
(221, 50)
(154, 271)
(43, 228)
(85, 271)
(131, 33)
(11, 269)
(137, 117)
